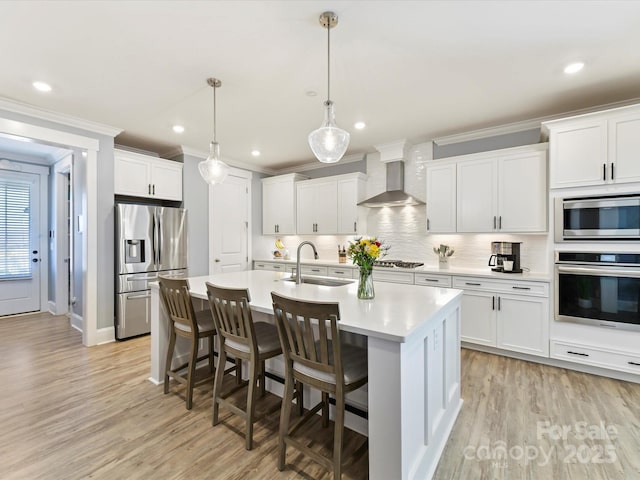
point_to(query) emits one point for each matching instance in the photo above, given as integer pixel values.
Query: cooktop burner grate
(396, 263)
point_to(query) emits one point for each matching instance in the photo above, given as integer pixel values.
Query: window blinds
(15, 230)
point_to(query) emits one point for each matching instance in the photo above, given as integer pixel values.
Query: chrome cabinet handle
(355, 226)
(494, 222)
(427, 224)
(500, 222)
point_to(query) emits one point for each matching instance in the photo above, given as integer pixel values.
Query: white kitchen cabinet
(432, 279)
(477, 195)
(329, 205)
(595, 149)
(385, 275)
(317, 206)
(342, 272)
(510, 315)
(441, 197)
(351, 190)
(138, 175)
(279, 204)
(275, 266)
(624, 148)
(478, 322)
(503, 191)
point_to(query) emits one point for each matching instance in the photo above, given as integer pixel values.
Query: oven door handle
(613, 272)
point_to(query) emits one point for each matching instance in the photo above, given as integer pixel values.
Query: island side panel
(413, 397)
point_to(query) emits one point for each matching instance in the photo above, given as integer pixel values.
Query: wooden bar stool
(246, 340)
(187, 323)
(333, 367)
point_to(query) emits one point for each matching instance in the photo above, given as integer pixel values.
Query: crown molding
(61, 118)
(356, 157)
(524, 125)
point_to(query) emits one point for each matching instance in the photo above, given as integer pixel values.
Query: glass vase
(365, 284)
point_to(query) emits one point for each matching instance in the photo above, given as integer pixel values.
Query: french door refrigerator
(150, 241)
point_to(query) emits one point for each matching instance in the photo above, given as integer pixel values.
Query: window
(15, 229)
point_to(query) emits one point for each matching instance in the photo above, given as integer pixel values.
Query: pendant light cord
(214, 113)
(329, 61)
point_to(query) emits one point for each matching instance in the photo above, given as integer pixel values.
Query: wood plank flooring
(70, 412)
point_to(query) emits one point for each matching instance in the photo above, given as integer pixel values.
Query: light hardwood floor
(70, 412)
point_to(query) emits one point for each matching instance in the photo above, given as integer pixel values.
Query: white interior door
(229, 225)
(19, 242)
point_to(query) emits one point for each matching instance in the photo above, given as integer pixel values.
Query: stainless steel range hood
(393, 155)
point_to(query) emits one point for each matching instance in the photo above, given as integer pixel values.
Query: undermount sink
(327, 282)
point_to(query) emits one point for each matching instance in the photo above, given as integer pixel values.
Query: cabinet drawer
(433, 280)
(277, 267)
(313, 270)
(341, 272)
(540, 289)
(589, 355)
(392, 277)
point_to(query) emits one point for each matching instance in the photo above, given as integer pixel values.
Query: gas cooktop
(396, 264)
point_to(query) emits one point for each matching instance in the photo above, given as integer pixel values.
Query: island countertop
(395, 313)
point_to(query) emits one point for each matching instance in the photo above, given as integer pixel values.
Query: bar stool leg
(167, 366)
(285, 413)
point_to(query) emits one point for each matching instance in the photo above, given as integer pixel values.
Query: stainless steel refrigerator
(150, 240)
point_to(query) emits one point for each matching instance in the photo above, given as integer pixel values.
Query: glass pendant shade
(329, 142)
(213, 170)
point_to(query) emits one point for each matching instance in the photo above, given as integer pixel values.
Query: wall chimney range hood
(393, 156)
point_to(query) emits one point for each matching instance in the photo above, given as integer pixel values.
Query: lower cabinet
(275, 266)
(507, 315)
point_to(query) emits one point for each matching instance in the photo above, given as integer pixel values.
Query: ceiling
(412, 70)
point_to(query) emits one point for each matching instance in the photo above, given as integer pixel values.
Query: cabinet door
(441, 198)
(347, 208)
(624, 149)
(278, 206)
(477, 196)
(317, 207)
(166, 180)
(578, 154)
(523, 324)
(132, 176)
(522, 193)
(478, 322)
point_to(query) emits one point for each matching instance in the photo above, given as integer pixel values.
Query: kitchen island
(413, 345)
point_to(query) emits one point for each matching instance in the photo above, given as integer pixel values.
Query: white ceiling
(411, 70)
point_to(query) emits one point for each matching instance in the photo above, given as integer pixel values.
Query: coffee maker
(501, 251)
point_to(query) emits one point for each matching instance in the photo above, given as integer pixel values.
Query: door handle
(217, 260)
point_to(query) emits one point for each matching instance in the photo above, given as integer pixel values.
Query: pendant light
(213, 170)
(329, 142)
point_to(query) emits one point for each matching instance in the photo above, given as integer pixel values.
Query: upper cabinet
(317, 206)
(497, 191)
(441, 197)
(595, 149)
(328, 205)
(279, 204)
(140, 175)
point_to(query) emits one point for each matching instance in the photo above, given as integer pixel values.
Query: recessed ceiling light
(359, 125)
(42, 87)
(178, 128)
(255, 153)
(574, 67)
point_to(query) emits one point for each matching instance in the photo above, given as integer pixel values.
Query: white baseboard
(105, 335)
(76, 321)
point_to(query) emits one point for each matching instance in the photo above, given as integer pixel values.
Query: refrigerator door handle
(159, 239)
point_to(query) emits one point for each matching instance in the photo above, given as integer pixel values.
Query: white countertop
(431, 269)
(397, 311)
